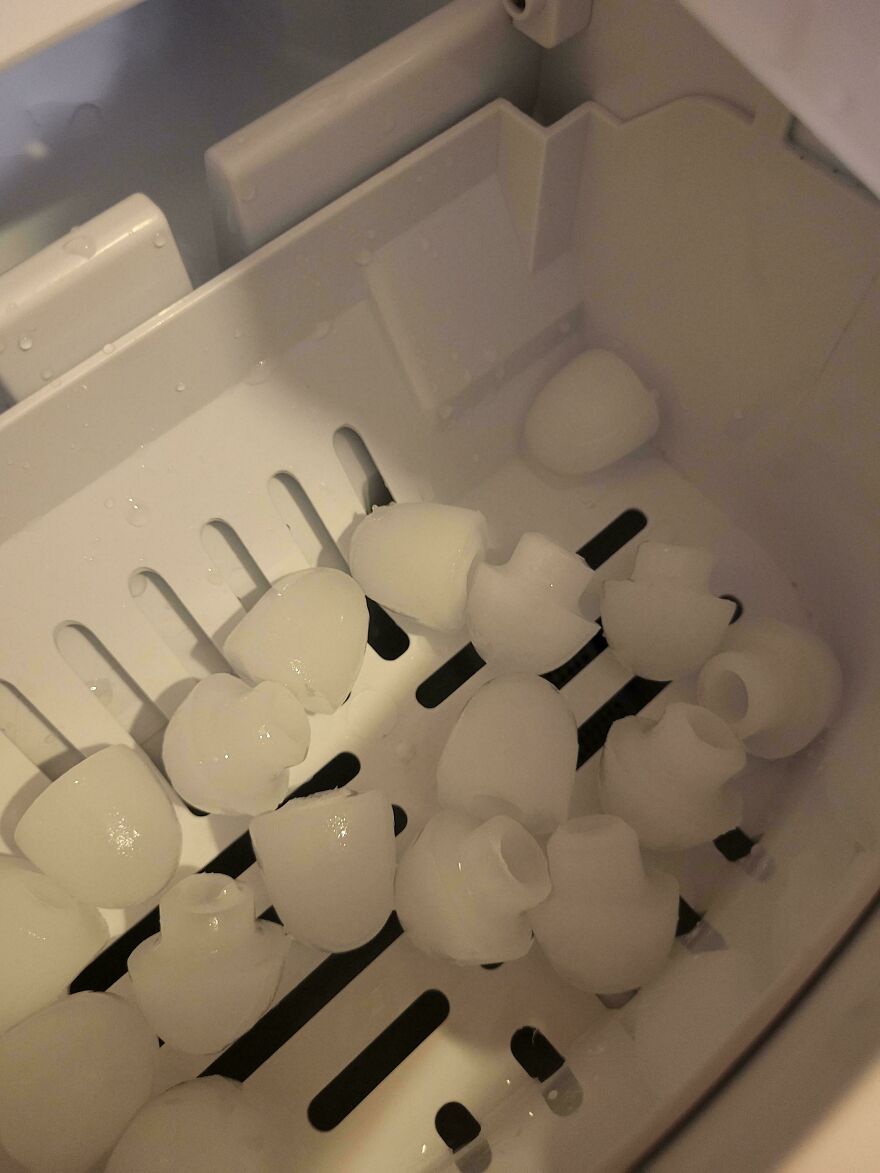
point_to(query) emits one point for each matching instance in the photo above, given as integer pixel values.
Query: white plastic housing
(71, 1078)
(777, 686)
(512, 751)
(207, 1125)
(308, 632)
(105, 830)
(228, 746)
(416, 558)
(524, 616)
(212, 970)
(664, 623)
(668, 778)
(46, 937)
(609, 924)
(592, 413)
(549, 22)
(328, 861)
(463, 888)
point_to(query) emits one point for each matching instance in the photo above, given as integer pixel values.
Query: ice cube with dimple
(213, 970)
(72, 1076)
(524, 616)
(106, 830)
(309, 633)
(512, 751)
(329, 862)
(209, 1125)
(416, 559)
(228, 746)
(46, 937)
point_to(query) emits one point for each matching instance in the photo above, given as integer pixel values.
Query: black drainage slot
(492, 965)
(613, 537)
(449, 677)
(535, 1054)
(626, 702)
(300, 1006)
(688, 918)
(400, 818)
(338, 772)
(111, 965)
(455, 1126)
(734, 845)
(737, 605)
(383, 635)
(560, 676)
(377, 1060)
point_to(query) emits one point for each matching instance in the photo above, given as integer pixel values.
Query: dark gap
(455, 1126)
(194, 810)
(613, 537)
(595, 647)
(738, 607)
(688, 918)
(383, 635)
(734, 845)
(492, 965)
(449, 677)
(377, 1060)
(270, 915)
(400, 818)
(298, 1007)
(360, 468)
(110, 965)
(535, 1054)
(626, 702)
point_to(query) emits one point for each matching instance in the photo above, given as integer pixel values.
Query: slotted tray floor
(330, 1009)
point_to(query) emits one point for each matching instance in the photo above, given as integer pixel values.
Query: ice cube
(309, 633)
(328, 861)
(524, 616)
(512, 751)
(416, 559)
(46, 937)
(590, 414)
(105, 830)
(72, 1076)
(208, 1125)
(213, 970)
(228, 746)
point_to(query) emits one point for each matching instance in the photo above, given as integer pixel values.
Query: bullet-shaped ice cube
(228, 746)
(309, 633)
(213, 970)
(524, 616)
(329, 861)
(72, 1076)
(208, 1125)
(46, 937)
(463, 888)
(416, 558)
(664, 623)
(512, 751)
(105, 830)
(590, 414)
(609, 924)
(668, 778)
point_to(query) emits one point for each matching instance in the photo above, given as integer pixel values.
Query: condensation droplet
(136, 513)
(25, 342)
(46, 374)
(102, 690)
(137, 586)
(159, 239)
(236, 333)
(25, 464)
(108, 347)
(180, 387)
(109, 502)
(79, 246)
(214, 576)
(363, 257)
(259, 372)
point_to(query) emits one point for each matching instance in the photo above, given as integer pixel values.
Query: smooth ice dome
(664, 623)
(213, 969)
(105, 830)
(776, 685)
(524, 616)
(608, 924)
(590, 414)
(463, 888)
(46, 938)
(416, 559)
(512, 751)
(228, 746)
(208, 1125)
(668, 778)
(309, 633)
(329, 861)
(71, 1078)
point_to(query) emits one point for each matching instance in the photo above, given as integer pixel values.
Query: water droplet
(323, 329)
(180, 387)
(259, 372)
(137, 586)
(214, 576)
(405, 750)
(25, 464)
(136, 513)
(109, 502)
(83, 386)
(363, 257)
(108, 347)
(102, 690)
(159, 239)
(80, 246)
(248, 193)
(46, 374)
(25, 342)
